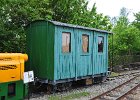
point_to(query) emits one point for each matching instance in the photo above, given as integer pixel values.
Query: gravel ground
(93, 90)
(135, 95)
(124, 89)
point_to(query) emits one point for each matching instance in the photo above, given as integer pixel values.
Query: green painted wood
(100, 60)
(64, 62)
(76, 63)
(19, 91)
(44, 43)
(40, 48)
(83, 60)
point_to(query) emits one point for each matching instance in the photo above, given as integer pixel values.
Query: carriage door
(83, 53)
(65, 53)
(100, 51)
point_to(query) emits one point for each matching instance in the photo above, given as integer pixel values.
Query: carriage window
(100, 43)
(85, 43)
(66, 42)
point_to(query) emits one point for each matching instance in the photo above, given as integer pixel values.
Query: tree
(76, 12)
(16, 14)
(137, 20)
(126, 36)
(66, 10)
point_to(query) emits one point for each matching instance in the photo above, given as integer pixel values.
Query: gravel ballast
(88, 92)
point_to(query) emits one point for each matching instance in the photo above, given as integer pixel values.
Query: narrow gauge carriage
(60, 53)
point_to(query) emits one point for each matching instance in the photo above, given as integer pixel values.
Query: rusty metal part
(89, 81)
(105, 93)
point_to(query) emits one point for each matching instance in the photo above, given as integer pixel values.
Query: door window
(66, 42)
(100, 43)
(85, 43)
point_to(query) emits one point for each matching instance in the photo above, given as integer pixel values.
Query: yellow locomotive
(11, 76)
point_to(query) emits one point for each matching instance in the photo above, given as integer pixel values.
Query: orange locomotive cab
(12, 66)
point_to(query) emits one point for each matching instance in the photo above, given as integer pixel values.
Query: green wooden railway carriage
(60, 52)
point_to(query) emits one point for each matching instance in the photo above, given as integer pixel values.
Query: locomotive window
(66, 42)
(85, 43)
(100, 43)
(11, 89)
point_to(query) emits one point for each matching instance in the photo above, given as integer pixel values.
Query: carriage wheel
(51, 89)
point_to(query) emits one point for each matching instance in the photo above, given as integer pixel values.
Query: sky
(112, 7)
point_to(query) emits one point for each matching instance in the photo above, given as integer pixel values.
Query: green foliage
(126, 42)
(126, 36)
(137, 20)
(76, 12)
(66, 10)
(15, 14)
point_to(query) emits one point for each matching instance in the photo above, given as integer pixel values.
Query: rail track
(43, 92)
(121, 91)
(129, 92)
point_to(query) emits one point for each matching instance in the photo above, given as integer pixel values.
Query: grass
(113, 74)
(69, 97)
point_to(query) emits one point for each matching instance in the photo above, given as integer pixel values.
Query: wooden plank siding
(64, 62)
(40, 47)
(83, 60)
(76, 63)
(100, 59)
(49, 62)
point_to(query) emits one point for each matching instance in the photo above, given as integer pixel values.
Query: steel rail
(128, 92)
(105, 93)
